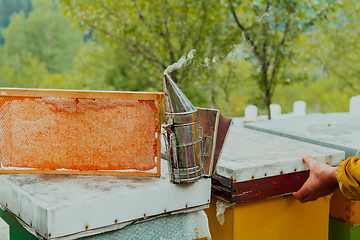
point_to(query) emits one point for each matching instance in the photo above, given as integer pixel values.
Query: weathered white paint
(321, 129)
(63, 205)
(4, 230)
(250, 154)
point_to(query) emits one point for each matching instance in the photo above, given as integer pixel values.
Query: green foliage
(227, 83)
(329, 56)
(335, 45)
(157, 33)
(235, 87)
(272, 28)
(44, 51)
(101, 67)
(323, 95)
(286, 46)
(38, 46)
(45, 34)
(21, 71)
(9, 7)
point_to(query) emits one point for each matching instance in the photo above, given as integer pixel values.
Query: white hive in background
(251, 113)
(355, 106)
(299, 108)
(275, 111)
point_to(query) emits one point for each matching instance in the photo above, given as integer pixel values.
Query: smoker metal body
(182, 135)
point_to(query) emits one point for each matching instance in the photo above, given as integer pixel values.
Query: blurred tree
(100, 67)
(228, 80)
(45, 35)
(335, 45)
(157, 33)
(324, 95)
(21, 71)
(9, 7)
(329, 57)
(271, 28)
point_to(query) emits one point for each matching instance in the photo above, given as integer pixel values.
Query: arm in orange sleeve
(348, 176)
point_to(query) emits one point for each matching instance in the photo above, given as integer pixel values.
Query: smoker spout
(176, 103)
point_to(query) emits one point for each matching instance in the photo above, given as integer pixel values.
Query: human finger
(309, 198)
(301, 193)
(310, 161)
(299, 196)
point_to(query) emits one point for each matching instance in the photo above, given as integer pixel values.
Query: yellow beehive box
(271, 219)
(80, 132)
(344, 210)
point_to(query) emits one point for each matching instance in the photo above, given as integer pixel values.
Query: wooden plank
(221, 187)
(257, 189)
(27, 92)
(159, 120)
(223, 181)
(74, 172)
(262, 188)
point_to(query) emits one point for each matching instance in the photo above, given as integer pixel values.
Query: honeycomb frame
(155, 98)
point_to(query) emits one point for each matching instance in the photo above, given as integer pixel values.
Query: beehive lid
(61, 205)
(256, 165)
(321, 129)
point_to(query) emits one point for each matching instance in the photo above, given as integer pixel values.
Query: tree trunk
(212, 94)
(267, 101)
(227, 100)
(213, 103)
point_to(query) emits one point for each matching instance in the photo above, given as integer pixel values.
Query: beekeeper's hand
(321, 182)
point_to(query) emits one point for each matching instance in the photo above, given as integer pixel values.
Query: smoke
(207, 62)
(183, 60)
(239, 51)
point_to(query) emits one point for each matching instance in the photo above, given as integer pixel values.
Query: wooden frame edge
(29, 92)
(75, 172)
(257, 189)
(159, 119)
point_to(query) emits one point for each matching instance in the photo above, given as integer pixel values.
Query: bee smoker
(182, 135)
